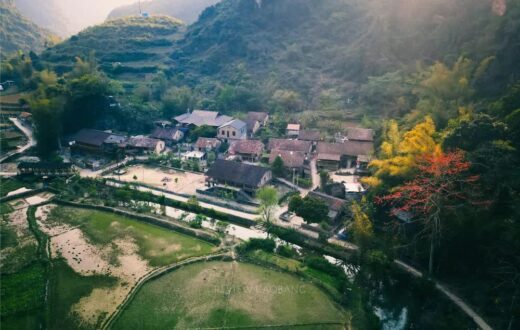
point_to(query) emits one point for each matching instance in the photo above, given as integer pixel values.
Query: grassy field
(220, 294)
(66, 288)
(158, 245)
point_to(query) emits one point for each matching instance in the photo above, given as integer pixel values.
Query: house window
(234, 133)
(223, 132)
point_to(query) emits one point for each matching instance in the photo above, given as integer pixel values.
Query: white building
(233, 130)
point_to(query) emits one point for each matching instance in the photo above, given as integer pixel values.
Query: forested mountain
(122, 46)
(330, 47)
(185, 10)
(47, 14)
(18, 33)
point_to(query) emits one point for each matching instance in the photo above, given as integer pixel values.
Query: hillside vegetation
(186, 10)
(127, 45)
(18, 33)
(321, 50)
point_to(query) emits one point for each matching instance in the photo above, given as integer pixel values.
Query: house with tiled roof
(207, 144)
(246, 150)
(290, 145)
(292, 160)
(199, 118)
(360, 134)
(309, 135)
(235, 129)
(144, 145)
(293, 130)
(256, 120)
(244, 176)
(170, 135)
(332, 156)
(96, 141)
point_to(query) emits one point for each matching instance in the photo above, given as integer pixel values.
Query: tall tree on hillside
(47, 123)
(442, 182)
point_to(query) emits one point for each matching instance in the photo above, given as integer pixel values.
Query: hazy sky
(83, 13)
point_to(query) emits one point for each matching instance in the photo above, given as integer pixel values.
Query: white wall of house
(228, 132)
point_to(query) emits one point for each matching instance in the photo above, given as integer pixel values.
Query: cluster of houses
(352, 150)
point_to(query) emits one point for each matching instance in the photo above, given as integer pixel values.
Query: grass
(11, 184)
(5, 208)
(220, 294)
(66, 288)
(282, 262)
(158, 245)
(23, 291)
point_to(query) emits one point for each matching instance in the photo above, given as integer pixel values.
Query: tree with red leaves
(442, 182)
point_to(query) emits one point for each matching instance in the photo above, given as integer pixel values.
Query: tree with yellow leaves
(362, 226)
(398, 157)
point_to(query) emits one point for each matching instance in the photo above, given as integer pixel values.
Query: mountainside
(47, 14)
(319, 49)
(18, 33)
(185, 10)
(123, 46)
(310, 46)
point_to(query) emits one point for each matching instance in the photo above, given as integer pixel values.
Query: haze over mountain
(18, 33)
(66, 17)
(185, 10)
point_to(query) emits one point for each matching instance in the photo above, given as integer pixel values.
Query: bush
(253, 244)
(286, 251)
(321, 264)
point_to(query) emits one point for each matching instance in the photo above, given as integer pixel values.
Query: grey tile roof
(348, 148)
(165, 133)
(203, 117)
(291, 145)
(237, 173)
(309, 135)
(360, 134)
(253, 147)
(91, 137)
(291, 159)
(235, 123)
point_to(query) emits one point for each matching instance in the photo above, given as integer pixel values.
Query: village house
(207, 144)
(294, 161)
(336, 205)
(170, 135)
(293, 130)
(244, 176)
(356, 134)
(309, 135)
(96, 142)
(144, 145)
(246, 150)
(290, 145)
(199, 118)
(233, 130)
(198, 156)
(360, 134)
(333, 156)
(45, 169)
(255, 121)
(26, 118)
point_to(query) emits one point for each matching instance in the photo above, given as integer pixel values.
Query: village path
(226, 210)
(28, 132)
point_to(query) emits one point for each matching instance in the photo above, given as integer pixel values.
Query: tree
(268, 197)
(401, 162)
(278, 167)
(442, 182)
(324, 179)
(47, 124)
(362, 226)
(311, 209)
(202, 131)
